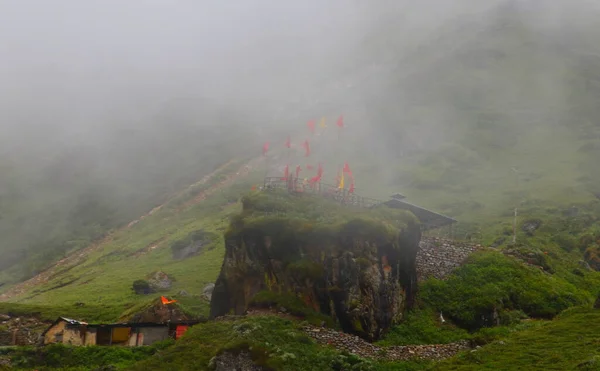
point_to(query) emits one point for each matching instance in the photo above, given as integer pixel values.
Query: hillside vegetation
(494, 112)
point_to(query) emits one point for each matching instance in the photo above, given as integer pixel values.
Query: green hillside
(490, 113)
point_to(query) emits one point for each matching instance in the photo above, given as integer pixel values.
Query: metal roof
(429, 219)
(69, 321)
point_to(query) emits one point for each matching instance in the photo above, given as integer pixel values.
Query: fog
(134, 100)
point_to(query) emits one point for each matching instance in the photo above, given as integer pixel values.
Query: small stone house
(72, 332)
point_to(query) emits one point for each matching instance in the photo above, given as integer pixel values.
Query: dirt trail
(79, 256)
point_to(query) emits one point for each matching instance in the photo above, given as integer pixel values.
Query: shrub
(142, 287)
(292, 304)
(492, 282)
(422, 326)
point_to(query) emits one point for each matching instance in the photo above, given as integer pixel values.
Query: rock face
(359, 273)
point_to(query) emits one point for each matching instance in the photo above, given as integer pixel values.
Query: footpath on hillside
(353, 344)
(79, 256)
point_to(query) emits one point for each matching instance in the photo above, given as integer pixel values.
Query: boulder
(208, 290)
(159, 281)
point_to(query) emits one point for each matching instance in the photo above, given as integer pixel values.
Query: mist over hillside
(107, 109)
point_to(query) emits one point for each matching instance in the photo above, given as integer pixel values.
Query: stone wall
(20, 330)
(438, 257)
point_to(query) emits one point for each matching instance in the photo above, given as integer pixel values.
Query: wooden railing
(328, 191)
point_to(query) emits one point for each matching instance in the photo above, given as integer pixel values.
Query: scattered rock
(229, 361)
(21, 331)
(4, 317)
(438, 257)
(208, 290)
(350, 343)
(530, 226)
(160, 281)
(183, 293)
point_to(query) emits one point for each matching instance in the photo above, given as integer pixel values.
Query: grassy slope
(273, 342)
(569, 342)
(103, 280)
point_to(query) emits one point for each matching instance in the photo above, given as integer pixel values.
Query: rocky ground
(20, 330)
(355, 345)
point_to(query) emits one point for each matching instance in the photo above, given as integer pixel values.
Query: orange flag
(166, 301)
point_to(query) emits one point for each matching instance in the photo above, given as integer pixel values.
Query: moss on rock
(327, 254)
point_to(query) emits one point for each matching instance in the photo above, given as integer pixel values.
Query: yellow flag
(323, 125)
(341, 186)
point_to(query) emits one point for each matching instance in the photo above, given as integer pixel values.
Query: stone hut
(73, 332)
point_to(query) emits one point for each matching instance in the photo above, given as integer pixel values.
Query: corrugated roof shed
(429, 219)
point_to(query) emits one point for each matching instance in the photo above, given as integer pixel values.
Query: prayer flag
(311, 126)
(288, 143)
(306, 147)
(265, 148)
(347, 169)
(340, 121)
(298, 169)
(323, 125)
(341, 186)
(286, 172)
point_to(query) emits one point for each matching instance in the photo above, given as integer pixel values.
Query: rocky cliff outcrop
(355, 266)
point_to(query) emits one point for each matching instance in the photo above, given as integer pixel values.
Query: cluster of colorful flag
(341, 179)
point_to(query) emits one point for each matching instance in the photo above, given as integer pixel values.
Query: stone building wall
(438, 257)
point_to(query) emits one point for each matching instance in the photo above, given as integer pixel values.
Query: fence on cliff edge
(327, 191)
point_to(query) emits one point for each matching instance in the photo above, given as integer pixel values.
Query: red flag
(306, 147)
(309, 167)
(265, 148)
(351, 190)
(340, 121)
(288, 143)
(347, 169)
(311, 126)
(286, 173)
(317, 178)
(298, 169)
